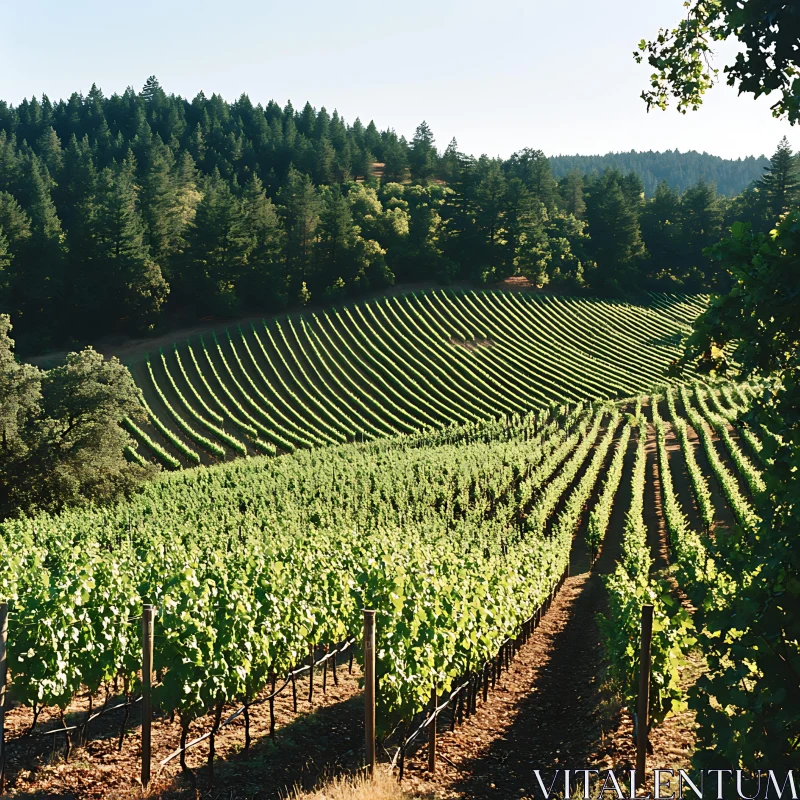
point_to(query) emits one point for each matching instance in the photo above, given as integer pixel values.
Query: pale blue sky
(498, 75)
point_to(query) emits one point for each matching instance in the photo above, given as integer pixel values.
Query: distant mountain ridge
(680, 170)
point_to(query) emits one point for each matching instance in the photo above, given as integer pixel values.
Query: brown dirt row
(322, 737)
(723, 515)
(653, 504)
(306, 371)
(551, 709)
(380, 353)
(183, 386)
(142, 379)
(727, 461)
(680, 479)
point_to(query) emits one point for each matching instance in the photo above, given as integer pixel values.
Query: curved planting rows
(404, 364)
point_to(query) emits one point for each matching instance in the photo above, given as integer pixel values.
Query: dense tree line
(118, 212)
(680, 170)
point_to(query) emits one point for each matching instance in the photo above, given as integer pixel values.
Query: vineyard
(457, 536)
(396, 366)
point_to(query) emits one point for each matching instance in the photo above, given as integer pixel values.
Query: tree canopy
(768, 32)
(62, 442)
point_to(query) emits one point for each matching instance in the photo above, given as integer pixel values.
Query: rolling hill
(397, 365)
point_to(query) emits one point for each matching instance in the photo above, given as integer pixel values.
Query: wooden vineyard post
(432, 735)
(148, 612)
(369, 690)
(272, 679)
(311, 674)
(643, 706)
(3, 671)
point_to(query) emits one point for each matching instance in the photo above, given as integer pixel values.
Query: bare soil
(323, 737)
(471, 344)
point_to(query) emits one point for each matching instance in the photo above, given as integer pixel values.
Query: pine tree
(15, 226)
(533, 169)
(123, 288)
(373, 142)
(570, 188)
(94, 122)
(10, 163)
(343, 164)
(299, 207)
(450, 163)
(423, 158)
(158, 201)
(338, 132)
(518, 212)
(48, 148)
(568, 264)
(334, 249)
(77, 182)
(44, 259)
(5, 274)
(661, 223)
(616, 241)
(780, 183)
(151, 89)
(265, 283)
(489, 204)
(524, 233)
(363, 165)
(633, 189)
(395, 158)
(322, 125)
(75, 198)
(701, 227)
(461, 239)
(306, 121)
(217, 253)
(324, 157)
(426, 234)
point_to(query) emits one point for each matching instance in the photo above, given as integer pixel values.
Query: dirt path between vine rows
(552, 710)
(548, 712)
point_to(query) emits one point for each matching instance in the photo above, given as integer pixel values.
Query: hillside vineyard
(456, 537)
(397, 365)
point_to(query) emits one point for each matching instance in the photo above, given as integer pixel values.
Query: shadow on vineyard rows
(553, 710)
(550, 710)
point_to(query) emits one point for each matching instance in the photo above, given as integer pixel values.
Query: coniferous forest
(119, 213)
(680, 170)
